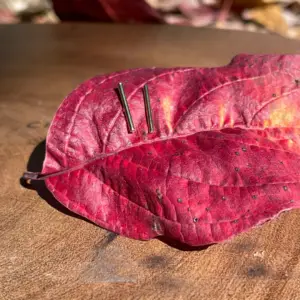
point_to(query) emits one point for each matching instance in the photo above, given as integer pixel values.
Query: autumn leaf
(223, 157)
(270, 16)
(107, 10)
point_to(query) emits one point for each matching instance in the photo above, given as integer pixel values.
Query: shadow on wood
(179, 245)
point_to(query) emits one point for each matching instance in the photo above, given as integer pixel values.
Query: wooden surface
(48, 253)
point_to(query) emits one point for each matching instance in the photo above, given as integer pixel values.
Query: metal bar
(148, 109)
(126, 107)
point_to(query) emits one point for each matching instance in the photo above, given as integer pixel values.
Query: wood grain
(48, 252)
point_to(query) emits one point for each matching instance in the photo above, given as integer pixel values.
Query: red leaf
(106, 10)
(223, 158)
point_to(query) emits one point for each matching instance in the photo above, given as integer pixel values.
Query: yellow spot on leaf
(290, 143)
(222, 115)
(267, 123)
(167, 108)
(282, 116)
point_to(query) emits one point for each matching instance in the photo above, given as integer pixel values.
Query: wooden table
(47, 252)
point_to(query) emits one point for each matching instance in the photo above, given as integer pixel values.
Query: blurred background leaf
(279, 17)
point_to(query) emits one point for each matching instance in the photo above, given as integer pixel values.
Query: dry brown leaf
(270, 16)
(294, 32)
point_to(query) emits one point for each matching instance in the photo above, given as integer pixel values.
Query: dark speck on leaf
(244, 149)
(236, 169)
(207, 208)
(195, 220)
(237, 153)
(156, 225)
(159, 195)
(179, 200)
(297, 81)
(254, 197)
(273, 95)
(223, 198)
(285, 188)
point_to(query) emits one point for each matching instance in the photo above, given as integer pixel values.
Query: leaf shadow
(181, 246)
(35, 164)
